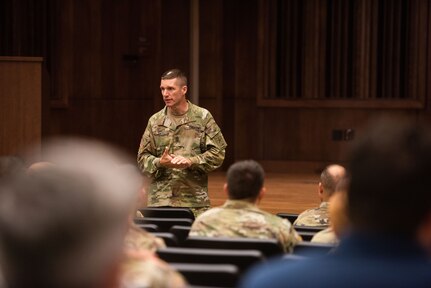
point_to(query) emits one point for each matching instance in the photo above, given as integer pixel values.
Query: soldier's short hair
(389, 176)
(175, 73)
(245, 180)
(330, 178)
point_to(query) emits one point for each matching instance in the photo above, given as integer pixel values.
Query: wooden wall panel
(109, 72)
(117, 121)
(211, 56)
(20, 104)
(306, 134)
(104, 60)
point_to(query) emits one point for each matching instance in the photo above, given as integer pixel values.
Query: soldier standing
(180, 146)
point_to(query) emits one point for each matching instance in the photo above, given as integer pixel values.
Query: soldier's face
(173, 92)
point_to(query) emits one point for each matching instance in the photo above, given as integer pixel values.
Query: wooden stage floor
(284, 192)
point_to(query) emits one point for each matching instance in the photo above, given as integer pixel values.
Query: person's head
(338, 208)
(173, 86)
(245, 181)
(64, 225)
(390, 171)
(329, 179)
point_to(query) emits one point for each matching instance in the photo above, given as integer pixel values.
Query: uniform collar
(165, 121)
(239, 204)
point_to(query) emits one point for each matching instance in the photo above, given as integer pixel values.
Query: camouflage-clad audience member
(240, 216)
(325, 236)
(180, 146)
(319, 216)
(143, 269)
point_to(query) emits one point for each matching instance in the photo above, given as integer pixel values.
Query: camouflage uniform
(138, 239)
(237, 218)
(314, 217)
(325, 236)
(141, 267)
(148, 271)
(198, 138)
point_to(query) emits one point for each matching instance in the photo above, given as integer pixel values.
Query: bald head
(39, 166)
(330, 178)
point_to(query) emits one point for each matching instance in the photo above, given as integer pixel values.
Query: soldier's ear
(226, 189)
(184, 89)
(262, 193)
(320, 190)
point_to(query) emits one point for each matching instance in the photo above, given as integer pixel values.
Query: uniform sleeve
(214, 148)
(288, 237)
(147, 155)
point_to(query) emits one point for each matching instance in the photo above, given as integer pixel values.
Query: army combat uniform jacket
(237, 218)
(314, 217)
(197, 137)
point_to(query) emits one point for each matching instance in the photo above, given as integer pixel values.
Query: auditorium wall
(104, 60)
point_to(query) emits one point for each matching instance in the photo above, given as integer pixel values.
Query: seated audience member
(389, 176)
(63, 225)
(138, 239)
(240, 216)
(337, 215)
(319, 216)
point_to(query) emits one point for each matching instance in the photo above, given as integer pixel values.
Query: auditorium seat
(268, 247)
(169, 238)
(181, 232)
(167, 212)
(306, 235)
(148, 227)
(289, 216)
(208, 275)
(313, 229)
(164, 224)
(243, 259)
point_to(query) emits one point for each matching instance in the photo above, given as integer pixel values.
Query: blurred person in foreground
(319, 216)
(389, 207)
(240, 215)
(63, 225)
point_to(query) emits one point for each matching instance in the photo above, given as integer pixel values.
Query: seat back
(313, 229)
(268, 247)
(164, 224)
(148, 227)
(169, 238)
(167, 212)
(306, 235)
(210, 275)
(243, 259)
(181, 232)
(289, 216)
